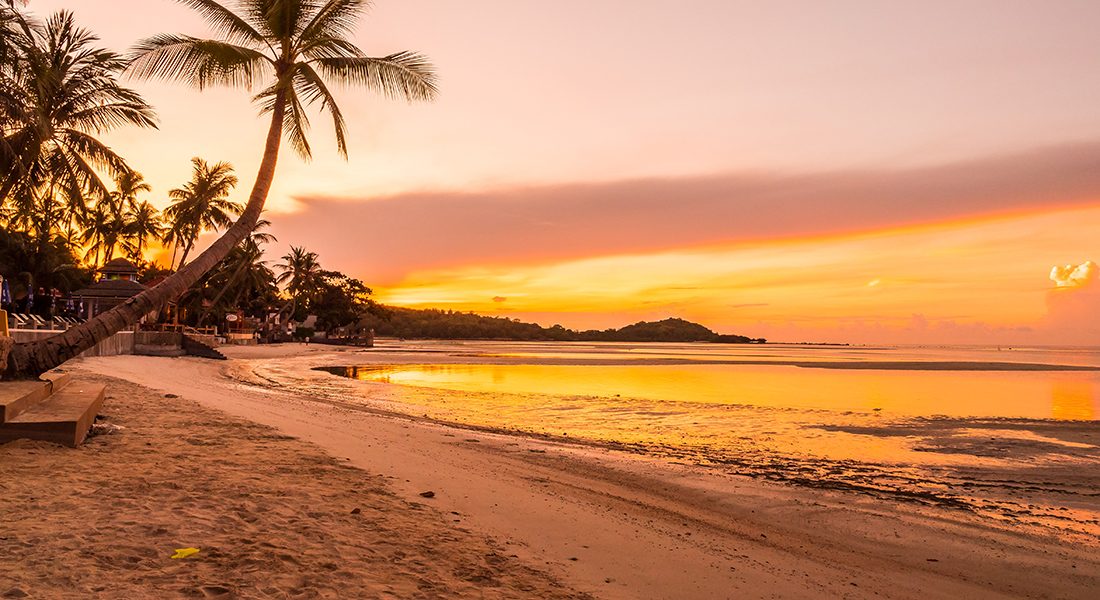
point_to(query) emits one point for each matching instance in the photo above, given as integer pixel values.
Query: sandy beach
(289, 494)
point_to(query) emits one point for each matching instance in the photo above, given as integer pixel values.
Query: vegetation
(201, 204)
(57, 92)
(442, 324)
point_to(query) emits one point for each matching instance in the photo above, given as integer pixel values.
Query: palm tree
(98, 224)
(127, 186)
(57, 96)
(12, 25)
(299, 271)
(290, 47)
(203, 203)
(142, 223)
(243, 272)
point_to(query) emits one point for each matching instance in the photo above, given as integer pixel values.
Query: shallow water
(1036, 395)
(930, 425)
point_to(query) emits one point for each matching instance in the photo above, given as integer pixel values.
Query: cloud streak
(399, 234)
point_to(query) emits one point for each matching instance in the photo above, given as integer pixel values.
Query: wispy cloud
(398, 234)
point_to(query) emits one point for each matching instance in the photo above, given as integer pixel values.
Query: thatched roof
(119, 266)
(111, 288)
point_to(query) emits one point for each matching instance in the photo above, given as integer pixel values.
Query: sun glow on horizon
(974, 275)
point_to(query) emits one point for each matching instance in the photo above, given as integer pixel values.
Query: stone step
(64, 417)
(18, 396)
(194, 347)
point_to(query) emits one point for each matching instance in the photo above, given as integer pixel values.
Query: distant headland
(409, 323)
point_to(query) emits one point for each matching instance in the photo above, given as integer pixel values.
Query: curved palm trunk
(221, 294)
(187, 250)
(30, 359)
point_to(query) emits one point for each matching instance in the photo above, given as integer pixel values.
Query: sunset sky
(830, 171)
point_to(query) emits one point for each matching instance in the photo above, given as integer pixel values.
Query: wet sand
(611, 522)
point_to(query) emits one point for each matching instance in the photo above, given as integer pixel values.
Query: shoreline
(640, 526)
(867, 479)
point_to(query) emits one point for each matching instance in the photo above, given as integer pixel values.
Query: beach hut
(117, 283)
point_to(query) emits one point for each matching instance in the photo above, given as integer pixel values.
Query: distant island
(411, 323)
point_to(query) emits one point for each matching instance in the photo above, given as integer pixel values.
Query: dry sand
(274, 512)
(272, 517)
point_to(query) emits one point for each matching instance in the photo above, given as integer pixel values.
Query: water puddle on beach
(1007, 433)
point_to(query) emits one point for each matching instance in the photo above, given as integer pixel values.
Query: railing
(33, 322)
(180, 328)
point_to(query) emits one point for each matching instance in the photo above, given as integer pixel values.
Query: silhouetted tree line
(445, 324)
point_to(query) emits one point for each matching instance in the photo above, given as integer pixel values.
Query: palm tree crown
(202, 203)
(59, 94)
(292, 47)
(299, 270)
(143, 222)
(127, 186)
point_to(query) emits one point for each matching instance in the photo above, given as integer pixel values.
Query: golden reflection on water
(1074, 400)
(1041, 395)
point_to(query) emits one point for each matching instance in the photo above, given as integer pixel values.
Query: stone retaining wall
(118, 344)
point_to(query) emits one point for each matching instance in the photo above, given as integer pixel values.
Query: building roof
(111, 288)
(120, 266)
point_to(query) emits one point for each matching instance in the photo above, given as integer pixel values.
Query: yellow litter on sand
(185, 552)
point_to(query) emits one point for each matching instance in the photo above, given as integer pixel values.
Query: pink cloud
(383, 239)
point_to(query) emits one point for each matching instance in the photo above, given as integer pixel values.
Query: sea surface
(1036, 383)
(1008, 432)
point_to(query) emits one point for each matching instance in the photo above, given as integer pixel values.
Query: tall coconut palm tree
(128, 185)
(12, 26)
(142, 223)
(243, 272)
(98, 225)
(299, 272)
(58, 95)
(290, 48)
(202, 203)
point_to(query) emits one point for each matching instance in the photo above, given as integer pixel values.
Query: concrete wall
(241, 339)
(158, 338)
(209, 340)
(119, 343)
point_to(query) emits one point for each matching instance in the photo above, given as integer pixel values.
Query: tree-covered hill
(443, 324)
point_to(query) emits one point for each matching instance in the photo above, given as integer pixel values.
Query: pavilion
(117, 283)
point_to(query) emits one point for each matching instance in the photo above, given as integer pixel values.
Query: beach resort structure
(117, 283)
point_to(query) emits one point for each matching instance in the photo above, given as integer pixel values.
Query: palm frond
(198, 62)
(295, 126)
(313, 87)
(406, 75)
(336, 19)
(96, 152)
(329, 47)
(226, 22)
(104, 117)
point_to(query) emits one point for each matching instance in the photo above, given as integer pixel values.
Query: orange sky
(843, 171)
